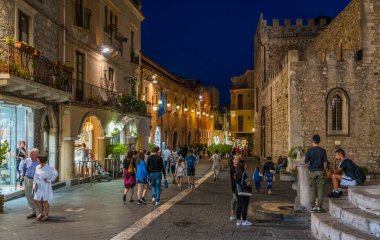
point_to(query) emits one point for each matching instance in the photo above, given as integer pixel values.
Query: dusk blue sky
(212, 40)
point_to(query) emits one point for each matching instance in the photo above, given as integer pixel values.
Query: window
(338, 112)
(146, 93)
(110, 74)
(106, 19)
(132, 42)
(240, 101)
(336, 115)
(23, 27)
(240, 123)
(82, 15)
(79, 75)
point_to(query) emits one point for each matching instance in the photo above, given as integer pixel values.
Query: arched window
(336, 107)
(338, 112)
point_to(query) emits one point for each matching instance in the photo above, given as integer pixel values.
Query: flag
(161, 108)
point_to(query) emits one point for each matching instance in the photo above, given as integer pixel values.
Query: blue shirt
(142, 172)
(28, 168)
(190, 161)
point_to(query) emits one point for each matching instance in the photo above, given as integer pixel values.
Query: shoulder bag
(242, 190)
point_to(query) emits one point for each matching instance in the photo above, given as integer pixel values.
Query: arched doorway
(189, 138)
(175, 139)
(92, 137)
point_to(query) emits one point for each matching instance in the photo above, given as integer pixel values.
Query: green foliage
(151, 146)
(132, 104)
(222, 148)
(294, 150)
(4, 150)
(117, 150)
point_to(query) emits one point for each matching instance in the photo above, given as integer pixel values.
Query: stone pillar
(67, 160)
(302, 201)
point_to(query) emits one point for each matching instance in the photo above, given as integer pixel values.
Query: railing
(135, 57)
(90, 94)
(26, 63)
(235, 107)
(82, 16)
(113, 38)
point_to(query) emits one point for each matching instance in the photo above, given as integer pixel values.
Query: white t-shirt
(167, 153)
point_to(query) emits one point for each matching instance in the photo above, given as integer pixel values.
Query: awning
(22, 101)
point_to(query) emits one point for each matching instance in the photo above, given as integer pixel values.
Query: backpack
(359, 175)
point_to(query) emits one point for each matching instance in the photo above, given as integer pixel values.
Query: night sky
(212, 40)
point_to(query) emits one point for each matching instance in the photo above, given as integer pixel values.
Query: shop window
(338, 108)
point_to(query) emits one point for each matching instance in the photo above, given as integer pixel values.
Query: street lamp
(160, 102)
(154, 78)
(186, 109)
(154, 108)
(168, 104)
(177, 107)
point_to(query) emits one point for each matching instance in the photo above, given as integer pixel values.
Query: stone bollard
(302, 201)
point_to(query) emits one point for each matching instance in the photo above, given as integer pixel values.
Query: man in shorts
(190, 163)
(343, 174)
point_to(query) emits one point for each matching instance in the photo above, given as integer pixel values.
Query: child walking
(257, 178)
(180, 171)
(142, 179)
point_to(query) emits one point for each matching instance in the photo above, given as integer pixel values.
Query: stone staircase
(354, 217)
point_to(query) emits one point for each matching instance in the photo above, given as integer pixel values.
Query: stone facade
(296, 99)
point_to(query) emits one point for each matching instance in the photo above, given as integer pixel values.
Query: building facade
(102, 45)
(241, 109)
(181, 108)
(32, 83)
(320, 78)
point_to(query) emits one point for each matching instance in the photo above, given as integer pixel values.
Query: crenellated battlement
(288, 28)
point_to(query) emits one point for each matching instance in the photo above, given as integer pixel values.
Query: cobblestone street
(97, 212)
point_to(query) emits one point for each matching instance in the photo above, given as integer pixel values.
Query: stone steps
(324, 226)
(354, 217)
(366, 198)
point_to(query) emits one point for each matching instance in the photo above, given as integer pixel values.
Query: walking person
(27, 173)
(42, 187)
(20, 157)
(215, 164)
(316, 159)
(180, 171)
(190, 163)
(155, 170)
(268, 171)
(242, 183)
(173, 160)
(129, 176)
(233, 165)
(142, 179)
(257, 178)
(167, 153)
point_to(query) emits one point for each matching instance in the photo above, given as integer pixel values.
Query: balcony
(236, 107)
(24, 72)
(113, 41)
(135, 58)
(94, 96)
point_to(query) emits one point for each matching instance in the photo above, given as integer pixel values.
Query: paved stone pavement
(97, 212)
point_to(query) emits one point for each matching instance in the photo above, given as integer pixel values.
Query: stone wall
(338, 36)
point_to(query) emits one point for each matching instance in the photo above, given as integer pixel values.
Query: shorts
(172, 168)
(142, 181)
(347, 181)
(190, 172)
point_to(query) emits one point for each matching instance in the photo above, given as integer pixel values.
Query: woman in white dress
(42, 187)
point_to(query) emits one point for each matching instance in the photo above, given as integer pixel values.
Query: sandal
(40, 216)
(45, 218)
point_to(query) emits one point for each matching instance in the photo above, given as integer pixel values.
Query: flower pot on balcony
(67, 68)
(4, 68)
(36, 53)
(20, 45)
(29, 49)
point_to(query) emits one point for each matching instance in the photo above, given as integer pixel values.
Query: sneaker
(189, 186)
(153, 200)
(124, 197)
(157, 203)
(319, 210)
(246, 223)
(193, 186)
(139, 202)
(143, 200)
(313, 209)
(238, 223)
(179, 185)
(269, 192)
(32, 215)
(232, 218)
(334, 195)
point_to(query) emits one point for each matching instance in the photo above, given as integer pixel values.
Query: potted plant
(295, 156)
(4, 67)
(20, 45)
(36, 53)
(4, 150)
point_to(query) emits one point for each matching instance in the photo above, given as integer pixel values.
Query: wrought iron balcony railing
(26, 62)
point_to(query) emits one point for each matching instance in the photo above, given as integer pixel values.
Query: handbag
(243, 191)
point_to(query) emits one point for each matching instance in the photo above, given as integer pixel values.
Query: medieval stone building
(320, 78)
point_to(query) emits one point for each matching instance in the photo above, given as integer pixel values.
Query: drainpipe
(64, 32)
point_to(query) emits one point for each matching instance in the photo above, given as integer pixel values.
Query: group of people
(38, 176)
(144, 168)
(344, 173)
